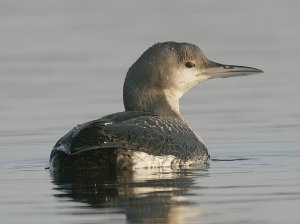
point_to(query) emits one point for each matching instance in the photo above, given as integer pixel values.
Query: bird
(151, 132)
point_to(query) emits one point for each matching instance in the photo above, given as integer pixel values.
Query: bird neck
(158, 102)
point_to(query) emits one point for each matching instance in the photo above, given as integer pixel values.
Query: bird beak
(216, 70)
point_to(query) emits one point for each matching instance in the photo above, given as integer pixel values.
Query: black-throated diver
(151, 132)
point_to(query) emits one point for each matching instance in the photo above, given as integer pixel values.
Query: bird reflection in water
(143, 196)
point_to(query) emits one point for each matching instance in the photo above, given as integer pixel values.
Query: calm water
(64, 62)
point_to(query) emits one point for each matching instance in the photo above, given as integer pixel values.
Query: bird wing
(91, 135)
(134, 131)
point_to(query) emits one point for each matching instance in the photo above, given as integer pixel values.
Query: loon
(151, 132)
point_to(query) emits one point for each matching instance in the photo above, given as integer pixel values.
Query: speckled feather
(135, 131)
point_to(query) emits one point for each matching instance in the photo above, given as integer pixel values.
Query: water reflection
(147, 195)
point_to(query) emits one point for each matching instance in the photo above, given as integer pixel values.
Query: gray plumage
(152, 122)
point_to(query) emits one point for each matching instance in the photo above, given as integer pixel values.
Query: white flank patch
(144, 160)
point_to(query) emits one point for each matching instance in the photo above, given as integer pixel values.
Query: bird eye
(190, 64)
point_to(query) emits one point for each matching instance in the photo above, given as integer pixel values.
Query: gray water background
(63, 63)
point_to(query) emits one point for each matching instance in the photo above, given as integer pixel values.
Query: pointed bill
(217, 70)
